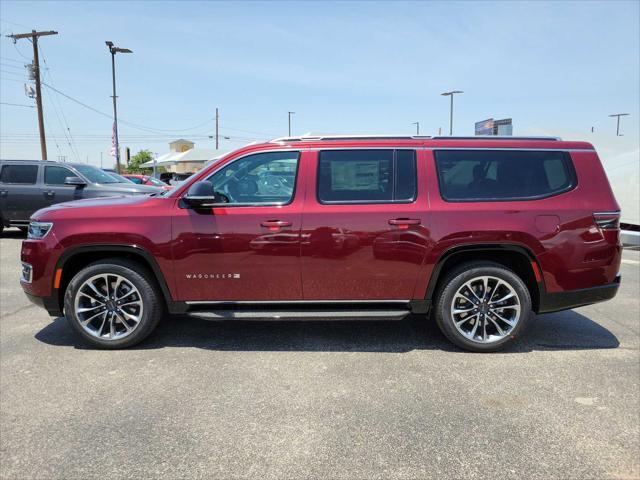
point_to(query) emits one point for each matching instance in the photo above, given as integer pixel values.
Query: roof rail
(315, 138)
(311, 138)
(497, 137)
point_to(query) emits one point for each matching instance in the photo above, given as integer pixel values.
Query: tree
(138, 159)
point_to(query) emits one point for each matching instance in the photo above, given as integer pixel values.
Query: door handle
(400, 222)
(50, 193)
(275, 225)
(4, 193)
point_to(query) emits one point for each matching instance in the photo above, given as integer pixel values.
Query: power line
(16, 105)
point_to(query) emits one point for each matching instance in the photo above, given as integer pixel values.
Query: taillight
(607, 220)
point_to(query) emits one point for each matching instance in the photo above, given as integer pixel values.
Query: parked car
(29, 185)
(146, 180)
(474, 233)
(121, 179)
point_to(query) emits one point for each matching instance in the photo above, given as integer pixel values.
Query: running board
(317, 315)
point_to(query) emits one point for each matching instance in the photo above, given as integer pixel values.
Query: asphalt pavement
(320, 399)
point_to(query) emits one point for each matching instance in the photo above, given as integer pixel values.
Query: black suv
(29, 185)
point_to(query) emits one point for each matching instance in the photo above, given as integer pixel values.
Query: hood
(94, 206)
(128, 188)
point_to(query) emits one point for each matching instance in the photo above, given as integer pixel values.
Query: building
(183, 157)
(494, 127)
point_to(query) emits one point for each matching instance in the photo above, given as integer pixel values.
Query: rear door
(20, 194)
(55, 191)
(364, 227)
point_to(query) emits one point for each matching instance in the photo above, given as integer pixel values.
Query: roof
(191, 155)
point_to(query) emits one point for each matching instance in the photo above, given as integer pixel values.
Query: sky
(556, 68)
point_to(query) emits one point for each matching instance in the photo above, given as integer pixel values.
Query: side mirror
(76, 181)
(202, 195)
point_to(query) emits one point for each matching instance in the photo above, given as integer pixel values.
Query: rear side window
(56, 175)
(366, 176)
(22, 174)
(500, 175)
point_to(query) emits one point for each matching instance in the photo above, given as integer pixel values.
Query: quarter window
(500, 175)
(21, 174)
(56, 175)
(366, 176)
(262, 178)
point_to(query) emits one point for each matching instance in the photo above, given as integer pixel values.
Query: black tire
(456, 279)
(141, 278)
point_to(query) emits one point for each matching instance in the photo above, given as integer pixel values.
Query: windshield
(120, 178)
(156, 182)
(95, 175)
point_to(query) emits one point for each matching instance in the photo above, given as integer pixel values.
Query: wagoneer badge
(215, 276)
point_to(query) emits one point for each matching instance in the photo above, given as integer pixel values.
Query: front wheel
(482, 306)
(113, 304)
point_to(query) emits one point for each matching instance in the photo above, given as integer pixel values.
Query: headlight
(38, 230)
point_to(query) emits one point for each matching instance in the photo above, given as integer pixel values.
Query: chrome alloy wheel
(108, 306)
(485, 309)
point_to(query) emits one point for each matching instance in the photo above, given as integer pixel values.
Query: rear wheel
(113, 304)
(482, 306)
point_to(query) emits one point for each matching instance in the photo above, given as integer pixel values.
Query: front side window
(20, 174)
(501, 175)
(262, 178)
(57, 175)
(366, 176)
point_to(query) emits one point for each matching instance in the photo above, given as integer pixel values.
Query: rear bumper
(554, 302)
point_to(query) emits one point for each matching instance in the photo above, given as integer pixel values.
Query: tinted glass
(405, 175)
(263, 178)
(366, 176)
(135, 180)
(25, 174)
(156, 182)
(95, 175)
(57, 175)
(502, 174)
(119, 178)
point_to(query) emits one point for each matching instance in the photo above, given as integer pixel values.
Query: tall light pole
(290, 113)
(113, 49)
(417, 124)
(618, 126)
(451, 94)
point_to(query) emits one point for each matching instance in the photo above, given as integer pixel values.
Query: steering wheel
(271, 185)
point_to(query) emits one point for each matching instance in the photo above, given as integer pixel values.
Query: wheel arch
(74, 259)
(515, 257)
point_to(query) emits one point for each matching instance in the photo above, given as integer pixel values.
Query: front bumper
(50, 304)
(554, 302)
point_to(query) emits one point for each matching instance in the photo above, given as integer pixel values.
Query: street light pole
(290, 113)
(417, 124)
(113, 50)
(618, 115)
(451, 94)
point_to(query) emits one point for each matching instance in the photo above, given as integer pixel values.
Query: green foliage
(139, 158)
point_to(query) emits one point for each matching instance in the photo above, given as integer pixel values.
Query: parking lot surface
(320, 399)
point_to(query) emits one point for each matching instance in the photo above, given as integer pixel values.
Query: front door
(364, 228)
(55, 190)
(20, 194)
(247, 249)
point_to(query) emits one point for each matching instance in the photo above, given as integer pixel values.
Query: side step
(318, 315)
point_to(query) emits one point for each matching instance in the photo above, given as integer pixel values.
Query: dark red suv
(475, 232)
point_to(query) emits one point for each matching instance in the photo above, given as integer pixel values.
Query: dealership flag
(112, 152)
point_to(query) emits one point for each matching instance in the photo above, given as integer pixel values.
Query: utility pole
(217, 127)
(417, 124)
(618, 126)
(113, 50)
(36, 73)
(290, 113)
(451, 94)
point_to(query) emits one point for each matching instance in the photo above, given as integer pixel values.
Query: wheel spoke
(506, 297)
(112, 326)
(126, 294)
(95, 290)
(129, 316)
(93, 299)
(128, 304)
(466, 319)
(123, 322)
(508, 322)
(88, 309)
(457, 311)
(88, 320)
(99, 331)
(500, 331)
(485, 286)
